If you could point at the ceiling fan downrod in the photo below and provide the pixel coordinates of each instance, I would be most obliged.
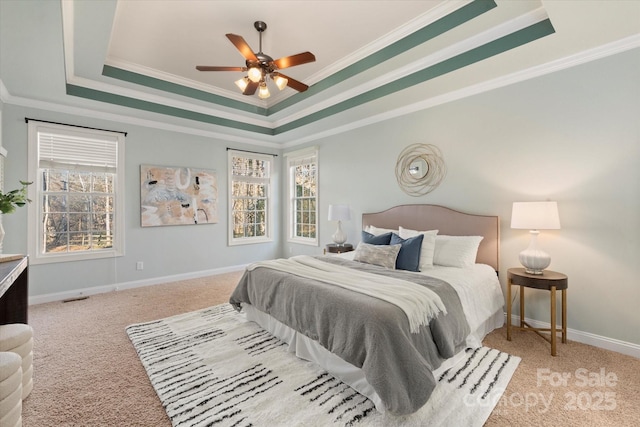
(261, 27)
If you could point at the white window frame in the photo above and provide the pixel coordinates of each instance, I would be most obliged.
(35, 230)
(233, 241)
(293, 158)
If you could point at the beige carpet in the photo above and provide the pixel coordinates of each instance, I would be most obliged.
(86, 371)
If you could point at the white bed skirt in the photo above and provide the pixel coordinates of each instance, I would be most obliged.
(308, 349)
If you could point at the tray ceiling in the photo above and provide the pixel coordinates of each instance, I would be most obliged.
(374, 62)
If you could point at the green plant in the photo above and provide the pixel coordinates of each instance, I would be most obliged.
(11, 200)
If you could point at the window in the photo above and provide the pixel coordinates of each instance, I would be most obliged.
(250, 197)
(303, 196)
(77, 194)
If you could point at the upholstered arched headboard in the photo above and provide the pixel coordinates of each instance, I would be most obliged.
(448, 222)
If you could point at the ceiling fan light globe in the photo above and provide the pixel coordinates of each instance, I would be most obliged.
(242, 83)
(263, 92)
(254, 74)
(281, 82)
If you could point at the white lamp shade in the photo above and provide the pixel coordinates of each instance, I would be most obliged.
(263, 92)
(254, 74)
(242, 83)
(339, 213)
(535, 216)
(281, 82)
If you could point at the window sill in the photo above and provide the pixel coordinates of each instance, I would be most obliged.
(50, 259)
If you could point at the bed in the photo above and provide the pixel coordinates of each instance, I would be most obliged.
(383, 347)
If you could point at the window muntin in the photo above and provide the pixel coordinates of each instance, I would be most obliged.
(78, 193)
(303, 197)
(77, 210)
(250, 199)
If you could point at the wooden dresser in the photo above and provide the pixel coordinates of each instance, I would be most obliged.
(14, 290)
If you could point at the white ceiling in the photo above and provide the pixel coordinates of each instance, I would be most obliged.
(138, 58)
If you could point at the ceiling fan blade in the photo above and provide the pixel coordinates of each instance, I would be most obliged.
(243, 47)
(293, 60)
(212, 68)
(295, 84)
(251, 88)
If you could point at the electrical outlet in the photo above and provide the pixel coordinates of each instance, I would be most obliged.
(139, 265)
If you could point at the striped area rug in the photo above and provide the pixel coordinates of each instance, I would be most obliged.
(212, 367)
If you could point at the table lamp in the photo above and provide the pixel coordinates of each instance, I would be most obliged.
(339, 213)
(535, 216)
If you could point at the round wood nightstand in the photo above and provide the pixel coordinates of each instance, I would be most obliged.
(548, 280)
(333, 248)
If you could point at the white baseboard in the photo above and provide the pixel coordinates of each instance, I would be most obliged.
(612, 344)
(79, 293)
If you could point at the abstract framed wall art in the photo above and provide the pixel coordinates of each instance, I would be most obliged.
(177, 196)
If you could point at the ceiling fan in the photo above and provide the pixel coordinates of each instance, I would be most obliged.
(260, 66)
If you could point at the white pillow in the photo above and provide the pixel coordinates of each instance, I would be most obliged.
(378, 231)
(428, 245)
(456, 251)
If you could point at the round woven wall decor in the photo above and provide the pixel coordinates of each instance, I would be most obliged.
(420, 169)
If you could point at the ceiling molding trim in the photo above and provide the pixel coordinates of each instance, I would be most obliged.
(439, 11)
(613, 48)
(618, 46)
(495, 47)
(162, 100)
(4, 94)
(111, 98)
(68, 18)
(442, 25)
(196, 91)
(449, 52)
(9, 99)
(181, 81)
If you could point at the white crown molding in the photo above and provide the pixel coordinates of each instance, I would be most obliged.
(595, 340)
(121, 118)
(439, 11)
(451, 51)
(4, 93)
(182, 81)
(162, 100)
(68, 18)
(599, 52)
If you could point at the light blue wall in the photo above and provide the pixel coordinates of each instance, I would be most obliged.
(165, 251)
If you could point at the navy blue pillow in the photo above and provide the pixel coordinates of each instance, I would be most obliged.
(409, 255)
(372, 239)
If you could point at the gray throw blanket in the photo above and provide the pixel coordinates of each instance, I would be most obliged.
(367, 332)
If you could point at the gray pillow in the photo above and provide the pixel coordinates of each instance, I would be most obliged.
(382, 255)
